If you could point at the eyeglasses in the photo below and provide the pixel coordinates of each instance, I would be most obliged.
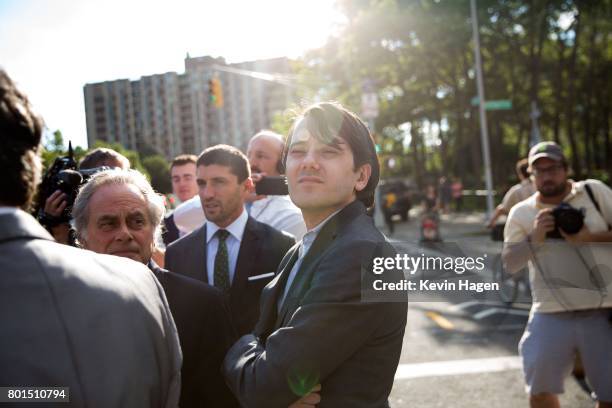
(552, 170)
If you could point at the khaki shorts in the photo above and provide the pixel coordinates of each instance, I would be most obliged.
(549, 345)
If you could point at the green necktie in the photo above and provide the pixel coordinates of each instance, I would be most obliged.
(222, 277)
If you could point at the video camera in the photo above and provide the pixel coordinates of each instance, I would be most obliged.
(63, 175)
(568, 219)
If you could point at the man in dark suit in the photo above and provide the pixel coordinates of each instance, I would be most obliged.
(316, 325)
(118, 213)
(231, 251)
(97, 324)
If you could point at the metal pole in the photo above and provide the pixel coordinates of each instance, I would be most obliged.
(379, 218)
(483, 116)
(535, 129)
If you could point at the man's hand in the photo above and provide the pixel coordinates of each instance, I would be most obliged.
(309, 400)
(544, 222)
(253, 196)
(582, 236)
(56, 203)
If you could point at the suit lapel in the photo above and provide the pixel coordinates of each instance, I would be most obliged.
(271, 294)
(302, 279)
(301, 282)
(196, 258)
(247, 256)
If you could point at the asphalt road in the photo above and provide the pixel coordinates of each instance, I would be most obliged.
(463, 353)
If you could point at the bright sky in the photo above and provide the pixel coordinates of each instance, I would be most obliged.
(53, 48)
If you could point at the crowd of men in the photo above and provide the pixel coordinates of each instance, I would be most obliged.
(255, 301)
(245, 299)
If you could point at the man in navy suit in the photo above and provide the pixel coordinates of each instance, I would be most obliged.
(316, 326)
(231, 251)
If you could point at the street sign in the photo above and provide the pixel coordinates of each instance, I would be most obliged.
(499, 104)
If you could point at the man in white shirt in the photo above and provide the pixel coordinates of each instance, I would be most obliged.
(570, 278)
(516, 193)
(265, 152)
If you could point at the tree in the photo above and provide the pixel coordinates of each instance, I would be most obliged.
(556, 53)
(159, 171)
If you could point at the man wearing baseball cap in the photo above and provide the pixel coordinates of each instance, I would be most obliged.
(562, 232)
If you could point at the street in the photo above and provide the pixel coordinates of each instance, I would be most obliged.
(464, 354)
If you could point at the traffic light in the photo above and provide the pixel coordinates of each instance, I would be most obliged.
(215, 92)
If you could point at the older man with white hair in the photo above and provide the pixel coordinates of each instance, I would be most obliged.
(118, 213)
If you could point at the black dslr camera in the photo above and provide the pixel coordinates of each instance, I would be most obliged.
(568, 219)
(63, 175)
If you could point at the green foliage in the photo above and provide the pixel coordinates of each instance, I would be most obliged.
(159, 171)
(282, 121)
(420, 56)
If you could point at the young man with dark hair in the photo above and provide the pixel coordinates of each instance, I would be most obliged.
(231, 251)
(72, 318)
(184, 188)
(315, 325)
(183, 173)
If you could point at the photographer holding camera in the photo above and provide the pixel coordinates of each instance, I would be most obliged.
(59, 188)
(548, 231)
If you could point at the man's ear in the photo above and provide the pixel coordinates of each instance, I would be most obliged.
(249, 185)
(364, 172)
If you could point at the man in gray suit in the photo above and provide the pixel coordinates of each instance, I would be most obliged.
(99, 325)
(315, 325)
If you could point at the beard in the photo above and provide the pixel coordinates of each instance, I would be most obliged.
(551, 189)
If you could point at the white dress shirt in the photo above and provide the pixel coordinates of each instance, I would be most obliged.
(280, 213)
(189, 216)
(236, 231)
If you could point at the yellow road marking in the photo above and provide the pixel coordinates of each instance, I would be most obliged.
(440, 320)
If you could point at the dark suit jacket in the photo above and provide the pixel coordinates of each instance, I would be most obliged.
(205, 332)
(98, 324)
(170, 232)
(325, 332)
(261, 250)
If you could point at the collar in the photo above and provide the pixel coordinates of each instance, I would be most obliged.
(8, 210)
(236, 228)
(311, 235)
(320, 225)
(16, 223)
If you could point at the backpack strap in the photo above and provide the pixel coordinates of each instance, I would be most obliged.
(595, 203)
